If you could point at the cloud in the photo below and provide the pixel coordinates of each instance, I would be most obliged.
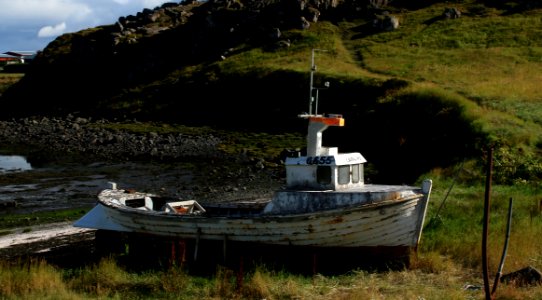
(33, 11)
(141, 3)
(49, 31)
(20, 20)
(152, 3)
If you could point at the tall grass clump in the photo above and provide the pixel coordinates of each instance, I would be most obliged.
(33, 279)
(263, 283)
(108, 279)
(455, 220)
(8, 79)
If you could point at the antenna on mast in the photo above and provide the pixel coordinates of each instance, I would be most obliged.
(312, 97)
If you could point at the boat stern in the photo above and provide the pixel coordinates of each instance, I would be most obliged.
(97, 218)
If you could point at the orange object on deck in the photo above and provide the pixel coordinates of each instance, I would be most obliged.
(335, 120)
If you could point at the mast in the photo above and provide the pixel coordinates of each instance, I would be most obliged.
(317, 123)
(311, 85)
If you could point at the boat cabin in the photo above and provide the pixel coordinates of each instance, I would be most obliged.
(324, 168)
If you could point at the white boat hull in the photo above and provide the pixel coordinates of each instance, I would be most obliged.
(389, 221)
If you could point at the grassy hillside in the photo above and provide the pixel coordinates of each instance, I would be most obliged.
(481, 71)
(426, 96)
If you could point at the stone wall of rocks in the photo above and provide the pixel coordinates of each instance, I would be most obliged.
(83, 136)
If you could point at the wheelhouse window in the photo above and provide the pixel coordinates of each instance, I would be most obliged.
(344, 174)
(323, 174)
(356, 173)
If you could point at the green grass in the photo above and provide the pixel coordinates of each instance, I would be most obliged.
(253, 144)
(493, 60)
(332, 57)
(456, 231)
(159, 128)
(8, 79)
(261, 145)
(487, 61)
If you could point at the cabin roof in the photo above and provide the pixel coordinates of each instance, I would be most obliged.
(2, 55)
(339, 159)
(20, 53)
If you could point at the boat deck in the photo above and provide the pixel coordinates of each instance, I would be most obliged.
(366, 188)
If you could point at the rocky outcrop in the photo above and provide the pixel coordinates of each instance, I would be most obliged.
(386, 22)
(265, 14)
(149, 22)
(451, 13)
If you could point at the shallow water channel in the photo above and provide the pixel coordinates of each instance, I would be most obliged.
(13, 163)
(26, 187)
(44, 181)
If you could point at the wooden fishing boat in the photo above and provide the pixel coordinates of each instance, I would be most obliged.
(325, 204)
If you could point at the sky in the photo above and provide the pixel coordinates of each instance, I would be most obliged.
(30, 25)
